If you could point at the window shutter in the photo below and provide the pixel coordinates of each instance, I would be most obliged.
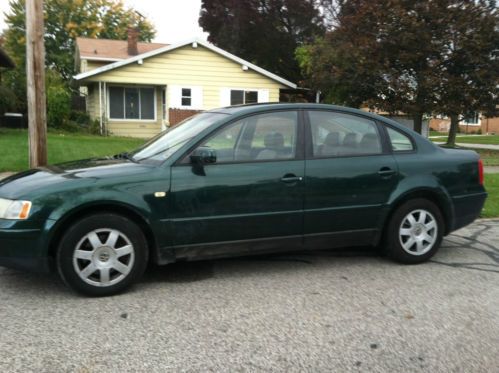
(225, 97)
(175, 95)
(197, 98)
(263, 95)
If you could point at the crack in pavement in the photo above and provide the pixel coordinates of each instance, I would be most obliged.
(476, 242)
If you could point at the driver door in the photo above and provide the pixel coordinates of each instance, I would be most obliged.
(251, 198)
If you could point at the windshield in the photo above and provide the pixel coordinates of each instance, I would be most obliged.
(163, 145)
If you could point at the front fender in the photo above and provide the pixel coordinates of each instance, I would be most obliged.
(89, 201)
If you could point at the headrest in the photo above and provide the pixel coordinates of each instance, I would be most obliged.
(274, 140)
(332, 139)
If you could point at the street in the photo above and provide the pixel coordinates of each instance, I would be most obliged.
(348, 310)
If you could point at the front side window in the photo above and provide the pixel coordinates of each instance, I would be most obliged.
(399, 141)
(262, 137)
(161, 147)
(338, 134)
(240, 97)
(131, 103)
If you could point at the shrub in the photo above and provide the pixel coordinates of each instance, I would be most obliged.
(8, 100)
(80, 117)
(94, 127)
(58, 106)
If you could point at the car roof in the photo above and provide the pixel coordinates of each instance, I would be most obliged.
(255, 108)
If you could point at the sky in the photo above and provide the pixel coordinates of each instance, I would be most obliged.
(174, 20)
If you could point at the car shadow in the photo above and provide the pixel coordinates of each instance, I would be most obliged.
(194, 271)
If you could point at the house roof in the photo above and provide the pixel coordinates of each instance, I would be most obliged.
(168, 48)
(5, 60)
(110, 50)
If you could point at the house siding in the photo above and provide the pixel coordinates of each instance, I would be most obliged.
(92, 65)
(192, 67)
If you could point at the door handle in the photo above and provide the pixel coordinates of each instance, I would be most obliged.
(386, 172)
(291, 178)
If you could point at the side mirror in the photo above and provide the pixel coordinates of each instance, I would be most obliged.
(203, 155)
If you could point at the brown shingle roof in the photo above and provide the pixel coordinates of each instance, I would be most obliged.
(112, 49)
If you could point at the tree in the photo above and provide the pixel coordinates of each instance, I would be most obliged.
(64, 21)
(469, 68)
(392, 55)
(265, 32)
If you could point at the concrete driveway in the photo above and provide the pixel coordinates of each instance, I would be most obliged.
(348, 310)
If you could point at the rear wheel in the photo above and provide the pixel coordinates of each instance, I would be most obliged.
(102, 254)
(414, 232)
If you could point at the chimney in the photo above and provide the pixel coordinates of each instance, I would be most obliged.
(133, 37)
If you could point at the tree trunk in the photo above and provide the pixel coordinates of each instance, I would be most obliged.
(454, 125)
(418, 122)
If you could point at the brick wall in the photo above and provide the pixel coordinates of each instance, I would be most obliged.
(178, 115)
(490, 125)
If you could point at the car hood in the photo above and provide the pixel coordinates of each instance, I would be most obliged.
(65, 175)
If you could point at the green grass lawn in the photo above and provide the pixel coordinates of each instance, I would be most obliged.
(491, 208)
(489, 140)
(436, 133)
(489, 157)
(62, 147)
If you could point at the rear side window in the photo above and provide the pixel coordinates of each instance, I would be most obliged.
(338, 134)
(399, 141)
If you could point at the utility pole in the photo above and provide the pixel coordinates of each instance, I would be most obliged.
(35, 74)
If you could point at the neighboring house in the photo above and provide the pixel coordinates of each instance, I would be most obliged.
(475, 123)
(402, 118)
(137, 89)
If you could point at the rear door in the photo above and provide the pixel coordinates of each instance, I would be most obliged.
(251, 198)
(350, 175)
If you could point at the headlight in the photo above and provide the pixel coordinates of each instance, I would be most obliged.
(14, 210)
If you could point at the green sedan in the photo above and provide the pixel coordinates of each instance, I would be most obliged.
(239, 181)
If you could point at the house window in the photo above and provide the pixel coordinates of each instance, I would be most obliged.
(132, 103)
(186, 97)
(239, 97)
(472, 119)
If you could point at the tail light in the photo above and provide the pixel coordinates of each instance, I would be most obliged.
(480, 171)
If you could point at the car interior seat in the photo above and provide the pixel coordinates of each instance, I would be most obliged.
(274, 146)
(331, 144)
(370, 143)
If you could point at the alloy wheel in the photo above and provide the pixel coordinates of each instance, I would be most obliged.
(103, 257)
(418, 232)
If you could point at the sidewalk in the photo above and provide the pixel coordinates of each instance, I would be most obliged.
(3, 175)
(474, 146)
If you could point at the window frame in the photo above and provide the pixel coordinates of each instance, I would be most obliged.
(139, 87)
(309, 153)
(184, 159)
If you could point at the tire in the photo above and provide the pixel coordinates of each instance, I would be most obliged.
(102, 254)
(414, 232)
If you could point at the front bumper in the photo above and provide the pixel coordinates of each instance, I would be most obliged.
(21, 247)
(467, 209)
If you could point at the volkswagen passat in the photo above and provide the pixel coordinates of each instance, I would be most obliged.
(239, 181)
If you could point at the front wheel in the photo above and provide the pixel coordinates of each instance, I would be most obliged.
(414, 232)
(102, 254)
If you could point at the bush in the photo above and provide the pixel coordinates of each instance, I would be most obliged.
(94, 127)
(8, 100)
(58, 106)
(80, 117)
